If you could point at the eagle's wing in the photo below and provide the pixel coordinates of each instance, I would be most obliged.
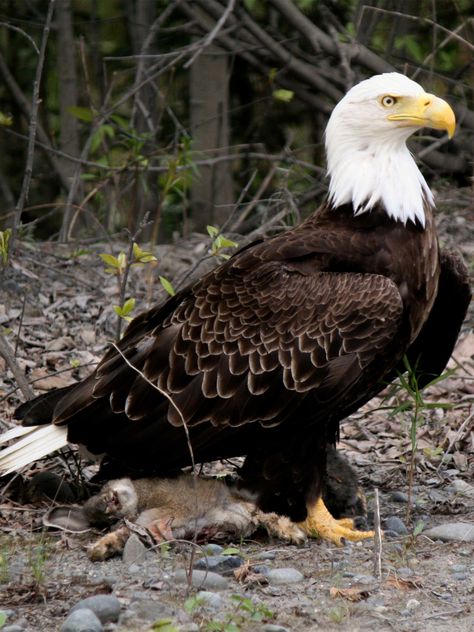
(431, 350)
(247, 345)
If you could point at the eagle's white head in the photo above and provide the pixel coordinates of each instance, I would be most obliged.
(368, 160)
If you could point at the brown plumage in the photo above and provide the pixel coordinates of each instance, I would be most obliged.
(266, 354)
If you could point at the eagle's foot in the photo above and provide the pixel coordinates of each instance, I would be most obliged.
(320, 524)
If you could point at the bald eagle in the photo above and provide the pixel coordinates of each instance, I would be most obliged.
(265, 355)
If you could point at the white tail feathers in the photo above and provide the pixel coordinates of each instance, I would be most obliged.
(36, 442)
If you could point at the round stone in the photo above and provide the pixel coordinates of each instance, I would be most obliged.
(82, 620)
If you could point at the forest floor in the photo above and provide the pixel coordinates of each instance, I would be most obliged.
(64, 300)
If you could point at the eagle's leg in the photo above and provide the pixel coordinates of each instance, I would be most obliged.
(320, 524)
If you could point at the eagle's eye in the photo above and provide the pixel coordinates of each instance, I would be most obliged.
(388, 101)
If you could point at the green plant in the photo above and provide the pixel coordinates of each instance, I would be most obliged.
(37, 556)
(4, 245)
(120, 266)
(219, 243)
(3, 618)
(416, 404)
(4, 570)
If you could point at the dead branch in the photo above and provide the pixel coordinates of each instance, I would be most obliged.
(25, 187)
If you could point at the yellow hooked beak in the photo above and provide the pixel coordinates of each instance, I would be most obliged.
(425, 110)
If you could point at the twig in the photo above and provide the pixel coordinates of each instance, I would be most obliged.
(25, 187)
(18, 374)
(7, 25)
(212, 35)
(188, 440)
(453, 441)
(377, 537)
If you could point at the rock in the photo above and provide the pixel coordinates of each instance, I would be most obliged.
(262, 569)
(364, 579)
(224, 564)
(13, 628)
(452, 532)
(264, 555)
(202, 579)
(463, 488)
(394, 524)
(413, 604)
(105, 607)
(460, 577)
(82, 620)
(404, 572)
(211, 599)
(146, 609)
(212, 549)
(134, 551)
(398, 497)
(458, 568)
(284, 576)
(272, 627)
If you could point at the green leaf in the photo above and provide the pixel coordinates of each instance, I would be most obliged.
(418, 528)
(110, 260)
(167, 285)
(81, 113)
(142, 256)
(230, 550)
(164, 625)
(129, 306)
(212, 231)
(283, 95)
(226, 243)
(5, 119)
(3, 618)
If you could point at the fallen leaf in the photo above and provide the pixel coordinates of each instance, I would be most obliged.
(402, 583)
(245, 575)
(354, 593)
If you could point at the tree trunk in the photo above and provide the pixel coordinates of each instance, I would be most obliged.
(66, 64)
(145, 115)
(212, 189)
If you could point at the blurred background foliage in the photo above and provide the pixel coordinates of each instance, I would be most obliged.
(151, 108)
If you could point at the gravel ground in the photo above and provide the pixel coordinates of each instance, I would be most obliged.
(425, 583)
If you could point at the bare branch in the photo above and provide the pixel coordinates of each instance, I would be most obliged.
(25, 187)
(212, 35)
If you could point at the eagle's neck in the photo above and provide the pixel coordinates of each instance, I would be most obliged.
(376, 170)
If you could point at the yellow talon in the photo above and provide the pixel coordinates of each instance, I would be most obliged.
(320, 524)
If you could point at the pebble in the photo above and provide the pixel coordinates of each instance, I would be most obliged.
(364, 579)
(458, 568)
(105, 607)
(394, 524)
(212, 549)
(463, 488)
(398, 497)
(272, 627)
(202, 579)
(460, 577)
(134, 551)
(13, 628)
(452, 531)
(404, 571)
(211, 599)
(146, 609)
(264, 555)
(413, 604)
(224, 564)
(262, 569)
(284, 576)
(82, 620)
